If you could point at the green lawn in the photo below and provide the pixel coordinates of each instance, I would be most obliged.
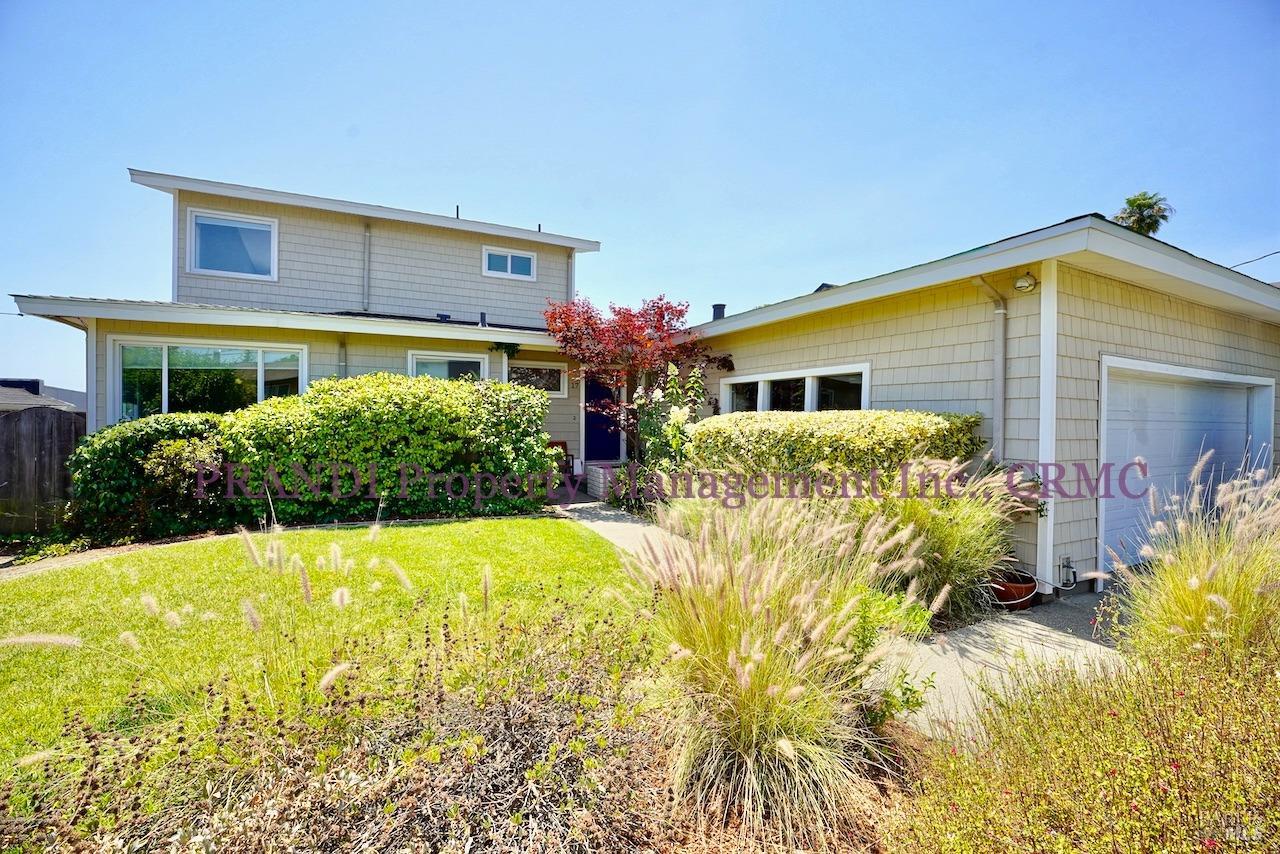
(200, 631)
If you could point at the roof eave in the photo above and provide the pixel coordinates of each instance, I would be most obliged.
(174, 183)
(62, 308)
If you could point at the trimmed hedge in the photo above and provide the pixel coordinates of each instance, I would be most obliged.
(124, 484)
(390, 420)
(806, 442)
(138, 479)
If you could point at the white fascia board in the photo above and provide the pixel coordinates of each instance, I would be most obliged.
(1048, 243)
(1117, 242)
(62, 307)
(174, 183)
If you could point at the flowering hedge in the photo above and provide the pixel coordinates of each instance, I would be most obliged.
(804, 442)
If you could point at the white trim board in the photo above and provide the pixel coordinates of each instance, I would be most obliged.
(1047, 444)
(1262, 413)
(810, 376)
(58, 308)
(114, 341)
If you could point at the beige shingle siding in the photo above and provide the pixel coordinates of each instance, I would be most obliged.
(930, 349)
(364, 353)
(1099, 315)
(415, 270)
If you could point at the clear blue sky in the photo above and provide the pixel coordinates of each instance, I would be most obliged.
(738, 152)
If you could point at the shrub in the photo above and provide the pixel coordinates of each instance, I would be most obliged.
(776, 633)
(128, 479)
(809, 442)
(390, 421)
(1210, 572)
(964, 540)
(1176, 755)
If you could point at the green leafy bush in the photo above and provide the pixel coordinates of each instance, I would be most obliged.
(125, 479)
(1176, 755)
(392, 422)
(295, 456)
(777, 633)
(809, 442)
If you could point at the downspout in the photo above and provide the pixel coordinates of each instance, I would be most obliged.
(999, 336)
(368, 250)
(572, 285)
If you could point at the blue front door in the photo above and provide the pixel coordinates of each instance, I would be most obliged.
(602, 434)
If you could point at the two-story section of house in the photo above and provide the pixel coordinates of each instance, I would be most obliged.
(272, 289)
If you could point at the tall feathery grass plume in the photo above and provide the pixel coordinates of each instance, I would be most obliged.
(780, 638)
(1208, 573)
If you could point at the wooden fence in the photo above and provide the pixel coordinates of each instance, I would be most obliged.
(34, 481)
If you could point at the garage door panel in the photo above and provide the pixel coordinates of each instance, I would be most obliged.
(1169, 423)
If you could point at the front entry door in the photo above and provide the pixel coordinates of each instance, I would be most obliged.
(602, 440)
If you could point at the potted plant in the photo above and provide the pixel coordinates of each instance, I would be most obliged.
(1014, 590)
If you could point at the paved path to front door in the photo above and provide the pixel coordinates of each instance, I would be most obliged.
(959, 661)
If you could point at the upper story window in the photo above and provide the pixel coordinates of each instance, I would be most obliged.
(231, 245)
(509, 264)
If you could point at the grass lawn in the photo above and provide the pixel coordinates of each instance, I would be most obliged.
(196, 629)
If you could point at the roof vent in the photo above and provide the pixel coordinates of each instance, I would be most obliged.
(717, 311)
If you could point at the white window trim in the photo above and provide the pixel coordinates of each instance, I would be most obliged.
(115, 342)
(810, 377)
(482, 358)
(484, 264)
(507, 365)
(195, 270)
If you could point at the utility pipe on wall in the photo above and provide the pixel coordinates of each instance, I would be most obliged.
(999, 335)
(368, 250)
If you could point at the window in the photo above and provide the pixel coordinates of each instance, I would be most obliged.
(787, 395)
(745, 397)
(545, 376)
(226, 245)
(805, 390)
(448, 366)
(509, 264)
(201, 376)
(840, 391)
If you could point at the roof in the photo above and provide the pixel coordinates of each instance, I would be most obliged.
(20, 398)
(74, 309)
(173, 183)
(1090, 241)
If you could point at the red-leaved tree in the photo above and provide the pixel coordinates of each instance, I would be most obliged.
(628, 348)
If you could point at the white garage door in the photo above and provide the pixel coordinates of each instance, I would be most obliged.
(1168, 422)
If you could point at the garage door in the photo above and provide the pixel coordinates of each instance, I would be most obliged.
(1168, 422)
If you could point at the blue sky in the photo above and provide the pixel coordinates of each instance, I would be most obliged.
(738, 153)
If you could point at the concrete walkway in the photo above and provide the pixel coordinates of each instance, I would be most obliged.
(626, 531)
(958, 661)
(961, 662)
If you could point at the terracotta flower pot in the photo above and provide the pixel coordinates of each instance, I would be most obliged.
(1015, 591)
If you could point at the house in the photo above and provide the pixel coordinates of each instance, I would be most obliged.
(1083, 344)
(272, 289)
(18, 394)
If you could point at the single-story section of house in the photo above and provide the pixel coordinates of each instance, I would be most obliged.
(1081, 344)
